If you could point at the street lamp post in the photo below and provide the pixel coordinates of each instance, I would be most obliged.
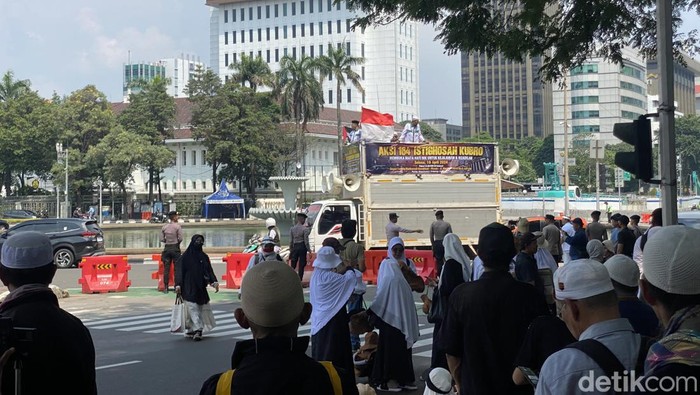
(61, 153)
(99, 207)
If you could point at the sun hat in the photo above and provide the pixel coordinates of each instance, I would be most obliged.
(26, 250)
(581, 279)
(670, 260)
(326, 258)
(271, 294)
(623, 270)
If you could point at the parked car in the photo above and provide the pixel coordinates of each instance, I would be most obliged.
(19, 214)
(689, 218)
(72, 238)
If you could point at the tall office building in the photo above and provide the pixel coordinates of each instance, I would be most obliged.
(178, 71)
(683, 82)
(598, 95)
(503, 98)
(272, 29)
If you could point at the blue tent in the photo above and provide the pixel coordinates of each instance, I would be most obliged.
(223, 204)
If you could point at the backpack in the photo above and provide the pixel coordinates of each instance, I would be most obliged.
(344, 252)
(257, 258)
(223, 385)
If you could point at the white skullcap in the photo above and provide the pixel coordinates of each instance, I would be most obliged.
(440, 380)
(623, 270)
(271, 294)
(581, 279)
(26, 250)
(671, 260)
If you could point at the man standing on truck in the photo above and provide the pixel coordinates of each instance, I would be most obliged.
(355, 134)
(299, 244)
(393, 229)
(411, 133)
(438, 229)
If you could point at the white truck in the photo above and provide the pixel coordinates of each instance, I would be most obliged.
(412, 180)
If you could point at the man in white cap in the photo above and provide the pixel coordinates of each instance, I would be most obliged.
(411, 132)
(60, 358)
(607, 343)
(671, 285)
(567, 230)
(275, 360)
(266, 253)
(624, 274)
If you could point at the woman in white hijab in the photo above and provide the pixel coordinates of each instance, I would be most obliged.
(332, 283)
(393, 312)
(457, 270)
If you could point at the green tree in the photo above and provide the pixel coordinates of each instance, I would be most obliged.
(10, 88)
(202, 89)
(545, 154)
(254, 71)
(28, 131)
(338, 64)
(301, 95)
(688, 143)
(563, 33)
(151, 113)
(85, 118)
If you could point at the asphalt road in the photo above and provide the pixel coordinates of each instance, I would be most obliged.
(135, 352)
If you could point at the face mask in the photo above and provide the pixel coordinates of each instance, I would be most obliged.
(199, 242)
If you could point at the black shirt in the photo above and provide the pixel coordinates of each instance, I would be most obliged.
(485, 327)
(545, 336)
(627, 239)
(278, 365)
(526, 271)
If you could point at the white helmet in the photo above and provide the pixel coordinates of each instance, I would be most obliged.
(270, 222)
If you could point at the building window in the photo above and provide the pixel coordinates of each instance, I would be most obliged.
(320, 28)
(233, 36)
(259, 12)
(294, 8)
(225, 16)
(585, 129)
(347, 26)
(235, 57)
(242, 14)
(400, 50)
(284, 31)
(194, 158)
(294, 53)
(325, 154)
(184, 158)
(311, 6)
(584, 69)
(634, 102)
(401, 96)
(335, 158)
(362, 50)
(330, 96)
(400, 73)
(204, 185)
(277, 32)
(347, 48)
(337, 5)
(330, 27)
(259, 35)
(226, 59)
(338, 26)
(242, 36)
(260, 54)
(301, 7)
(311, 47)
(313, 154)
(267, 14)
(349, 95)
(363, 72)
(267, 56)
(225, 38)
(630, 115)
(267, 34)
(320, 5)
(411, 53)
(250, 35)
(330, 5)
(363, 97)
(411, 97)
(626, 85)
(584, 99)
(250, 13)
(184, 184)
(277, 55)
(311, 27)
(320, 50)
(277, 10)
(284, 9)
(303, 30)
(284, 51)
(303, 51)
(583, 114)
(204, 156)
(411, 75)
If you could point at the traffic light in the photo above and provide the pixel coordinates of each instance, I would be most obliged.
(638, 134)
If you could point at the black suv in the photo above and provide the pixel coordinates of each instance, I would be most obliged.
(72, 238)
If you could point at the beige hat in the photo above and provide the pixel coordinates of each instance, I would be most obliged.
(623, 270)
(581, 279)
(271, 294)
(609, 245)
(670, 260)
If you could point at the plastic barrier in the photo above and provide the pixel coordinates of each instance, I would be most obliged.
(646, 218)
(423, 259)
(159, 274)
(106, 273)
(236, 263)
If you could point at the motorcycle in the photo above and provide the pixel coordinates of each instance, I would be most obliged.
(254, 245)
(158, 218)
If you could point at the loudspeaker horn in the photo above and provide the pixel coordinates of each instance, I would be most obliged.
(324, 185)
(510, 167)
(352, 182)
(334, 183)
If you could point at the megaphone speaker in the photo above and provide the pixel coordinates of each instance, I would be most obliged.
(351, 183)
(510, 167)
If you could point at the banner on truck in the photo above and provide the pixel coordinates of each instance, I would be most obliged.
(446, 158)
(351, 159)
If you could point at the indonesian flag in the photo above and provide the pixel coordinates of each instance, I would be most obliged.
(377, 127)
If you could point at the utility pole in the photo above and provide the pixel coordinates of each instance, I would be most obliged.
(667, 137)
(566, 144)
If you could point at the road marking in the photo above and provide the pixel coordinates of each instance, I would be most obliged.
(117, 365)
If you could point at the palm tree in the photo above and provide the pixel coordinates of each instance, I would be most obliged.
(254, 71)
(11, 88)
(338, 64)
(301, 94)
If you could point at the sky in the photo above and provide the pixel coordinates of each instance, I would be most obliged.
(62, 46)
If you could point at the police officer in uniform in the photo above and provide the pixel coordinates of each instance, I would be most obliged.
(299, 244)
(171, 236)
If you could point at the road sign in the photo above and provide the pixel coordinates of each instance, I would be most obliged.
(597, 150)
(626, 176)
(619, 178)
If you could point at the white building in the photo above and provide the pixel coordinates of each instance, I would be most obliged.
(177, 70)
(271, 29)
(653, 105)
(599, 94)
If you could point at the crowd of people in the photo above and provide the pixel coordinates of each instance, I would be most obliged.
(563, 311)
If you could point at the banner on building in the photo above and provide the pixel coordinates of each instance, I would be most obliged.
(445, 158)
